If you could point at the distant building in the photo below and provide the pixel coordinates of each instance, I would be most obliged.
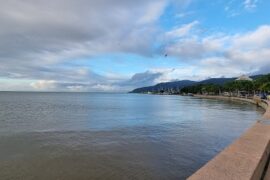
(244, 78)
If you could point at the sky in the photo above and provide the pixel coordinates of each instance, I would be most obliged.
(118, 45)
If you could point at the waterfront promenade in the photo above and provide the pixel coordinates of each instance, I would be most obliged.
(247, 157)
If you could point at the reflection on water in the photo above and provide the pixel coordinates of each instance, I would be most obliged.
(114, 136)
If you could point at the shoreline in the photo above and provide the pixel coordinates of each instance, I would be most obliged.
(259, 102)
(248, 156)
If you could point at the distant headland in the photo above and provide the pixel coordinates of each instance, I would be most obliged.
(243, 86)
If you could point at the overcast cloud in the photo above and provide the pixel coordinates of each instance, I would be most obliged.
(40, 39)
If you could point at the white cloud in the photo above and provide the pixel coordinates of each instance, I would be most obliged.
(153, 12)
(250, 4)
(38, 33)
(253, 40)
(42, 40)
(186, 49)
(221, 54)
(184, 14)
(182, 31)
(233, 8)
(194, 47)
(211, 56)
(105, 88)
(183, 73)
(44, 84)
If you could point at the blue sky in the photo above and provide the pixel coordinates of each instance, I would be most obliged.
(115, 45)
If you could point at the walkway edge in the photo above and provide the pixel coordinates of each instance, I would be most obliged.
(247, 157)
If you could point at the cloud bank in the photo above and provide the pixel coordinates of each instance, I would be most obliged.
(43, 41)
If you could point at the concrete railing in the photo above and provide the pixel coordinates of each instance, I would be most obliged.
(247, 157)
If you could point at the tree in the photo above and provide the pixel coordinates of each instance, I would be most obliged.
(265, 87)
(259, 83)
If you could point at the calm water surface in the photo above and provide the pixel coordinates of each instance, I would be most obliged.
(68, 136)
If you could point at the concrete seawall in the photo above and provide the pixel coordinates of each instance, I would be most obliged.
(247, 157)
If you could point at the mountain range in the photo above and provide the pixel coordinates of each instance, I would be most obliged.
(184, 83)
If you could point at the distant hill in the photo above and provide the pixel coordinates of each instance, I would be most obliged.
(163, 86)
(184, 83)
(218, 81)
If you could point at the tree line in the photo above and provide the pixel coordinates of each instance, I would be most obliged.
(259, 85)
